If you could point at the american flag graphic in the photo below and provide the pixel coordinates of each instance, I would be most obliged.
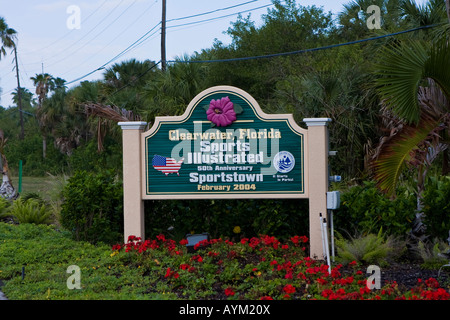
(166, 165)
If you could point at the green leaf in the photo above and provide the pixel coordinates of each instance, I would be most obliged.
(396, 152)
(238, 109)
(401, 69)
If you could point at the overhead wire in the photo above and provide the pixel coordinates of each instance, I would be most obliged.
(137, 78)
(66, 34)
(97, 35)
(130, 47)
(115, 38)
(217, 18)
(66, 50)
(212, 11)
(303, 50)
(149, 34)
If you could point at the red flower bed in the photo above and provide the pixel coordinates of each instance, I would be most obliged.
(260, 268)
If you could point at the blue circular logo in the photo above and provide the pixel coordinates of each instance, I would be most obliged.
(284, 161)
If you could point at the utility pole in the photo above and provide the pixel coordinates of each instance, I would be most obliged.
(19, 94)
(163, 36)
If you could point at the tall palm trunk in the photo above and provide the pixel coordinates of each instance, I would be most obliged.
(7, 190)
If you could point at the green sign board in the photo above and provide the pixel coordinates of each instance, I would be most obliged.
(224, 146)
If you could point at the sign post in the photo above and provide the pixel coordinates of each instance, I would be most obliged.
(133, 205)
(318, 175)
(225, 147)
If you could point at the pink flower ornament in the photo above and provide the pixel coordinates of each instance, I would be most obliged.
(221, 112)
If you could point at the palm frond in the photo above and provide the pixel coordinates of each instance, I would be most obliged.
(402, 70)
(110, 112)
(400, 73)
(405, 147)
(437, 67)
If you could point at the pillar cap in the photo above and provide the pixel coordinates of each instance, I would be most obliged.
(132, 125)
(311, 122)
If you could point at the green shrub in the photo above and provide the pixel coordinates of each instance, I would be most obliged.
(430, 252)
(92, 207)
(4, 204)
(227, 218)
(30, 211)
(368, 249)
(436, 206)
(364, 209)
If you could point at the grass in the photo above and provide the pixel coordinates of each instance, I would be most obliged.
(161, 269)
(47, 187)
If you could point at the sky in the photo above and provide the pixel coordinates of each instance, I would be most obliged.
(71, 39)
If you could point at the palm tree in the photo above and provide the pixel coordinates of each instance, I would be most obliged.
(43, 82)
(338, 94)
(7, 36)
(414, 86)
(132, 73)
(171, 91)
(27, 97)
(7, 190)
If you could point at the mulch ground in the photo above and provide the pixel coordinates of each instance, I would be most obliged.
(407, 275)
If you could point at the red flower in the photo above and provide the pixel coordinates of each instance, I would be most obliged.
(170, 273)
(266, 298)
(326, 293)
(183, 242)
(184, 266)
(134, 238)
(289, 289)
(116, 247)
(161, 237)
(229, 292)
(197, 258)
(432, 283)
(297, 239)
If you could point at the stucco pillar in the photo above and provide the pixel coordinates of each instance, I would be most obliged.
(133, 205)
(318, 180)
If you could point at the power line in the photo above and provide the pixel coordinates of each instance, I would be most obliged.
(221, 17)
(138, 77)
(213, 11)
(303, 50)
(64, 51)
(147, 35)
(65, 35)
(130, 47)
(115, 38)
(98, 34)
